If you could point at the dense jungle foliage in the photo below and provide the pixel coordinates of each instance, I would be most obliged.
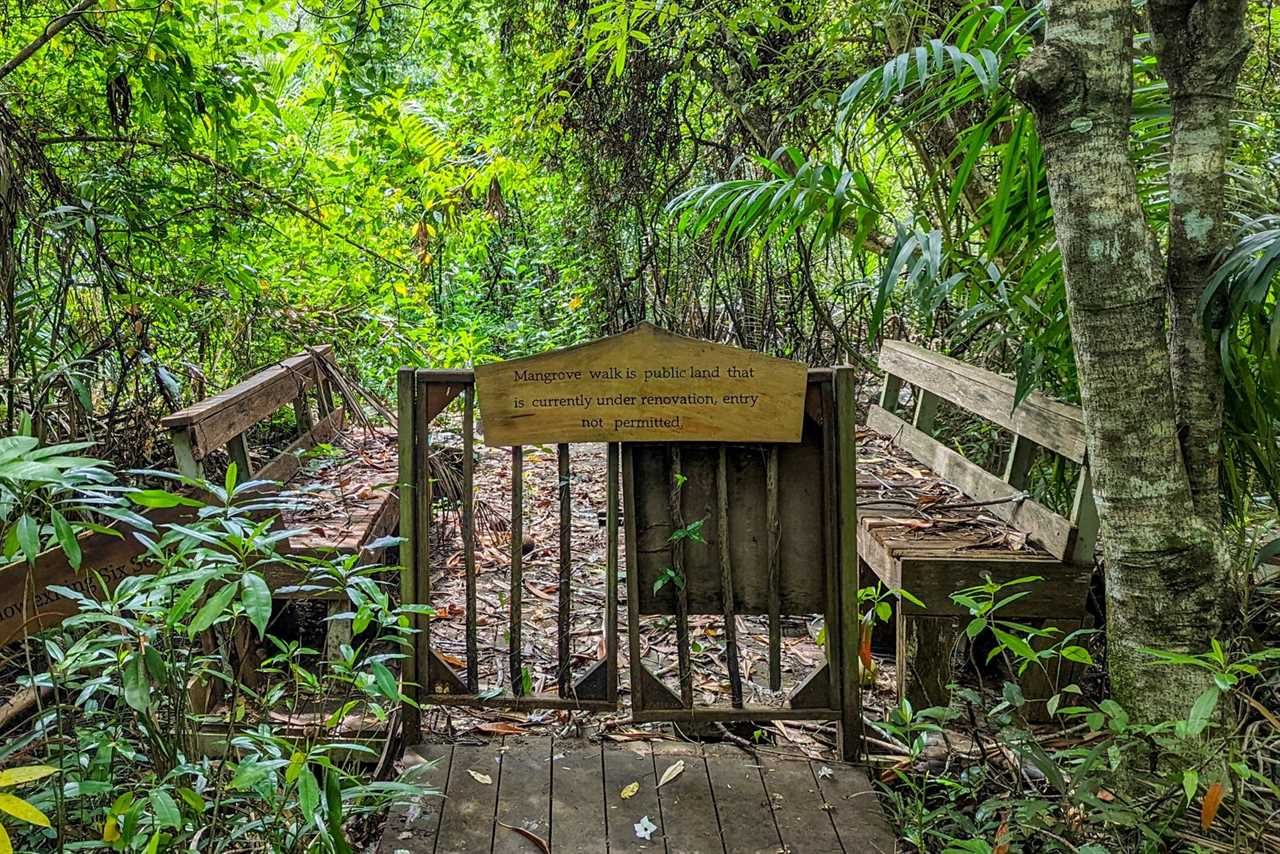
(192, 190)
(200, 187)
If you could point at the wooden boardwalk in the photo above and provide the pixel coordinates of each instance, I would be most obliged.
(566, 797)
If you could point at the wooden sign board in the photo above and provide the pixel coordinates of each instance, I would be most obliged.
(26, 602)
(644, 385)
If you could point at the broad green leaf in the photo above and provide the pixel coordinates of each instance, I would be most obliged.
(28, 533)
(384, 680)
(166, 809)
(25, 774)
(136, 684)
(296, 763)
(212, 609)
(1190, 784)
(309, 794)
(1202, 711)
(256, 598)
(66, 538)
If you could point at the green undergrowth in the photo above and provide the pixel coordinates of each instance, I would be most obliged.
(173, 714)
(994, 771)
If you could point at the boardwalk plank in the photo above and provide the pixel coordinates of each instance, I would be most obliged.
(854, 808)
(577, 798)
(524, 794)
(466, 827)
(688, 809)
(798, 807)
(631, 763)
(412, 827)
(742, 804)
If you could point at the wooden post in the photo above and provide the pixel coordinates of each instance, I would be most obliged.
(1084, 515)
(469, 534)
(926, 411)
(889, 393)
(634, 656)
(726, 582)
(611, 572)
(422, 525)
(1016, 469)
(238, 450)
(514, 652)
(847, 504)
(563, 614)
(184, 454)
(831, 545)
(302, 413)
(408, 595)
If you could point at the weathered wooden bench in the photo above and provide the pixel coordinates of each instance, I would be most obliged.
(933, 522)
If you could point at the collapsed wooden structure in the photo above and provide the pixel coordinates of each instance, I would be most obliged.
(344, 515)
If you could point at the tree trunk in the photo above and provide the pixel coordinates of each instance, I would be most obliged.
(1200, 47)
(9, 189)
(1164, 563)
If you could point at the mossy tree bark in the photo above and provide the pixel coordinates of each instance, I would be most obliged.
(1150, 387)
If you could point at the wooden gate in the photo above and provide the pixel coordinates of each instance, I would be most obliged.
(777, 537)
(423, 395)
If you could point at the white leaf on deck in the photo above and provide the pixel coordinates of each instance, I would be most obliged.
(673, 771)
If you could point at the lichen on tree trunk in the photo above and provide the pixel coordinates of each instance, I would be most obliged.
(1151, 415)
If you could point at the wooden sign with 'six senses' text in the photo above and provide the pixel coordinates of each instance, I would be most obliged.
(645, 385)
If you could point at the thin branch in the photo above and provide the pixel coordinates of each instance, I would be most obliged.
(55, 26)
(270, 192)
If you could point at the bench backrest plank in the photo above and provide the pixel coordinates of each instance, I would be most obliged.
(1053, 532)
(1038, 422)
(1051, 424)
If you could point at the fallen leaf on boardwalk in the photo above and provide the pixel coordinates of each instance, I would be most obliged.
(673, 771)
(480, 778)
(645, 828)
(499, 728)
(529, 835)
(629, 790)
(1209, 806)
(824, 772)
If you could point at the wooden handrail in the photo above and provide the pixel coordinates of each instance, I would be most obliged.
(217, 419)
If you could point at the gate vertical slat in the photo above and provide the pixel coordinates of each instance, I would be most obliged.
(679, 586)
(611, 571)
(726, 581)
(469, 534)
(634, 659)
(830, 544)
(516, 654)
(846, 462)
(773, 524)
(422, 529)
(405, 398)
(564, 614)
